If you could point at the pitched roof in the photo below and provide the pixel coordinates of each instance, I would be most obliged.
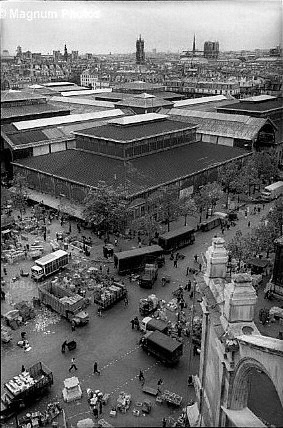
(135, 132)
(225, 125)
(264, 106)
(13, 95)
(142, 173)
(31, 110)
(145, 101)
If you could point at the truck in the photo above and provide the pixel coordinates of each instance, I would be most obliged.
(24, 388)
(149, 275)
(273, 191)
(49, 264)
(134, 260)
(64, 302)
(148, 305)
(153, 324)
(166, 349)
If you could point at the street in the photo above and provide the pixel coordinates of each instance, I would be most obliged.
(108, 339)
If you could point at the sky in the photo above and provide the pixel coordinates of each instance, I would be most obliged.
(103, 27)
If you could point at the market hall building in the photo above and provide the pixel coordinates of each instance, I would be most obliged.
(137, 153)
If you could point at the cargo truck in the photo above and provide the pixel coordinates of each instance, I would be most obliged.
(49, 264)
(110, 295)
(273, 191)
(153, 324)
(166, 349)
(64, 302)
(23, 389)
(134, 260)
(149, 275)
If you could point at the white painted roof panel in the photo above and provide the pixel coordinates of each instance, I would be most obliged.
(83, 101)
(72, 118)
(50, 84)
(259, 98)
(201, 100)
(85, 92)
(138, 118)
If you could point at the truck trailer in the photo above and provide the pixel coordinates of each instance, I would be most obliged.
(49, 264)
(149, 275)
(24, 388)
(166, 349)
(64, 302)
(273, 191)
(153, 324)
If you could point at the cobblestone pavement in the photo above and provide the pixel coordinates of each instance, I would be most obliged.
(108, 339)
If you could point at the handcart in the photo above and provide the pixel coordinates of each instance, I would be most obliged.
(165, 279)
(71, 345)
(146, 406)
(171, 398)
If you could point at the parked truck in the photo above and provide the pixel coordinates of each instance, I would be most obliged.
(109, 296)
(166, 349)
(153, 324)
(64, 302)
(149, 275)
(273, 191)
(24, 388)
(49, 264)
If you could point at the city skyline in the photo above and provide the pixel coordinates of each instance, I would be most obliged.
(115, 26)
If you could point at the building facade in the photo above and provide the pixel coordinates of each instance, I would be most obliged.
(140, 55)
(211, 50)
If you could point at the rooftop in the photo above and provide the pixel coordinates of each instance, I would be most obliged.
(136, 131)
(85, 91)
(201, 100)
(261, 107)
(138, 86)
(40, 123)
(12, 95)
(225, 125)
(145, 101)
(31, 110)
(151, 170)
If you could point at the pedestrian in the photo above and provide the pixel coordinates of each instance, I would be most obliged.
(195, 350)
(3, 295)
(73, 365)
(126, 301)
(189, 285)
(100, 268)
(108, 270)
(159, 383)
(73, 325)
(164, 422)
(70, 228)
(258, 209)
(95, 412)
(175, 263)
(249, 223)
(99, 311)
(44, 236)
(95, 369)
(63, 348)
(191, 294)
(137, 323)
(23, 335)
(141, 376)
(263, 206)
(200, 266)
(190, 380)
(182, 304)
(196, 258)
(5, 270)
(78, 227)
(260, 315)
(140, 244)
(179, 330)
(100, 406)
(133, 323)
(23, 369)
(115, 242)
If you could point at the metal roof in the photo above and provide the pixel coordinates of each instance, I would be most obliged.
(38, 123)
(153, 170)
(201, 100)
(50, 84)
(12, 95)
(138, 118)
(85, 92)
(225, 125)
(30, 110)
(83, 101)
(259, 98)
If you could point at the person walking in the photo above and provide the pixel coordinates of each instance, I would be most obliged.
(188, 270)
(100, 406)
(73, 365)
(249, 224)
(175, 263)
(164, 422)
(189, 286)
(196, 258)
(133, 323)
(5, 270)
(159, 383)
(141, 376)
(95, 369)
(95, 412)
(73, 325)
(63, 347)
(126, 301)
(23, 369)
(44, 236)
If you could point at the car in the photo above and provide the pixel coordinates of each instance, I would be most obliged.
(258, 199)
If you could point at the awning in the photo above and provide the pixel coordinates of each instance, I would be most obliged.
(243, 418)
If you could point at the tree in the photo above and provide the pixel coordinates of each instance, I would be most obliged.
(209, 195)
(266, 164)
(147, 225)
(239, 247)
(187, 207)
(166, 204)
(229, 179)
(106, 206)
(19, 193)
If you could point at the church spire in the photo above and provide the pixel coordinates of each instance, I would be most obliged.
(65, 53)
(194, 44)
